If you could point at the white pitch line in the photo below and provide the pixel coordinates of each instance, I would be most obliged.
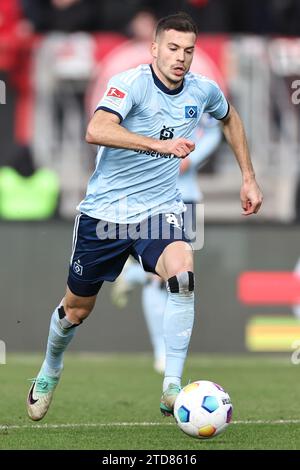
(261, 421)
(7, 427)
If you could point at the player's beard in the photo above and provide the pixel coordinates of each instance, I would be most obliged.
(170, 77)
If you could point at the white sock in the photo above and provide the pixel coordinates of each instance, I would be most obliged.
(61, 333)
(154, 300)
(178, 325)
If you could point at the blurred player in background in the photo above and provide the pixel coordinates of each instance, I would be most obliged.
(207, 138)
(143, 126)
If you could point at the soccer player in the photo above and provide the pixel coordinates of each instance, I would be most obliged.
(207, 138)
(143, 126)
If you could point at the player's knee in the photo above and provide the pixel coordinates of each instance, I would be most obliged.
(181, 283)
(65, 322)
(76, 314)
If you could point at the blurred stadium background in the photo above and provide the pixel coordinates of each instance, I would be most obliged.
(55, 56)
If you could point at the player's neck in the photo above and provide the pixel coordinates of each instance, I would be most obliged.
(170, 85)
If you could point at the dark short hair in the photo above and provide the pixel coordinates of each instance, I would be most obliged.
(179, 21)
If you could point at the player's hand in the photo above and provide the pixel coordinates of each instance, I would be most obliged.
(181, 147)
(251, 197)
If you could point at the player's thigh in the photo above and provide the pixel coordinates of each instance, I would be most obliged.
(177, 257)
(96, 258)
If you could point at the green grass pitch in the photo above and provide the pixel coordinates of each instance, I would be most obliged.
(112, 402)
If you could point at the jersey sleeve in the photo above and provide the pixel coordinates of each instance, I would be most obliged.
(118, 98)
(217, 105)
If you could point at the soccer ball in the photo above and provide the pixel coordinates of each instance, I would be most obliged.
(203, 409)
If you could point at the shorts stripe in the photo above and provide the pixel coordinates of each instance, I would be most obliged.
(141, 261)
(75, 234)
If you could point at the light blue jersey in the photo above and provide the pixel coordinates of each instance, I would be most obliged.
(128, 186)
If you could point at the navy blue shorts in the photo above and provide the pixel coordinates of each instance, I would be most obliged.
(100, 249)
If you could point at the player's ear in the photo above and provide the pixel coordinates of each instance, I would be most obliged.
(154, 49)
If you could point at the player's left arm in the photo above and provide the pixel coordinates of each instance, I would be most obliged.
(251, 195)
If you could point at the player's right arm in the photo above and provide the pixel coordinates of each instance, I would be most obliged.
(105, 129)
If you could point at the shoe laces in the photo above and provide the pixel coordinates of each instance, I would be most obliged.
(44, 385)
(172, 389)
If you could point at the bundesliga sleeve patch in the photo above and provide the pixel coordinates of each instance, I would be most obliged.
(115, 96)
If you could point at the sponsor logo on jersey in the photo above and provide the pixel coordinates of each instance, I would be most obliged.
(166, 133)
(191, 112)
(155, 154)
